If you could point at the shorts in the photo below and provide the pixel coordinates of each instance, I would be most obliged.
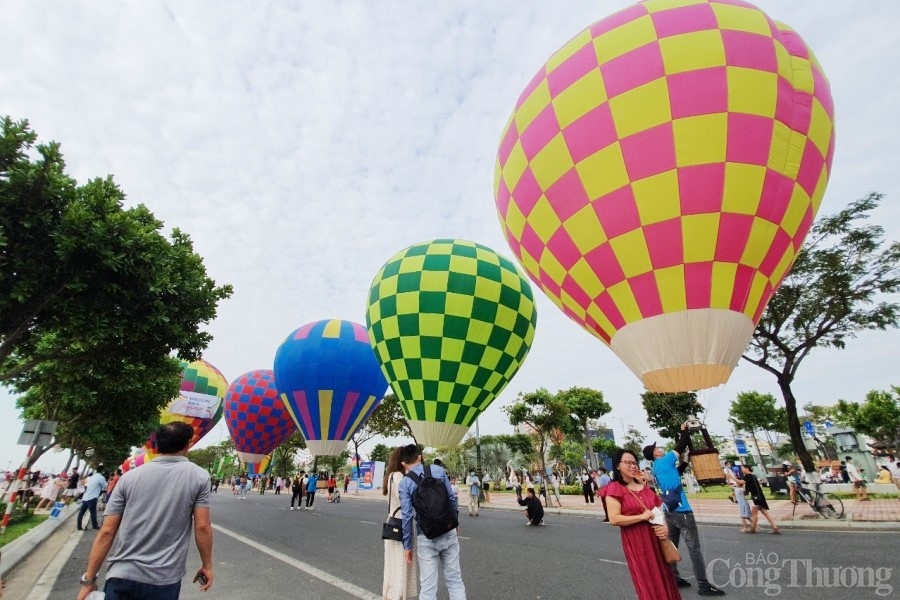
(331, 490)
(487, 486)
(859, 484)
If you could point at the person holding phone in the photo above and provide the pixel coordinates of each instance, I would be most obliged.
(152, 530)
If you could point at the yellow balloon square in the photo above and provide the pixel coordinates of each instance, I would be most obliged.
(739, 18)
(624, 300)
(657, 197)
(698, 233)
(631, 251)
(533, 105)
(585, 230)
(692, 51)
(515, 166)
(543, 219)
(603, 171)
(700, 140)
(820, 127)
(552, 162)
(743, 187)
(407, 303)
(584, 275)
(459, 305)
(553, 268)
(579, 98)
(723, 276)
(751, 91)
(670, 282)
(641, 108)
(624, 38)
(762, 233)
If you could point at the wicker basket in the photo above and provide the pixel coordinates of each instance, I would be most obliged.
(706, 467)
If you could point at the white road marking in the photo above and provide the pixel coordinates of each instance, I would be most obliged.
(328, 578)
(615, 562)
(44, 585)
(369, 522)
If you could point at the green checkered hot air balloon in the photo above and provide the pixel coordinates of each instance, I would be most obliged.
(451, 322)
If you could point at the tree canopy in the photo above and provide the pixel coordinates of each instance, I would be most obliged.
(585, 405)
(836, 289)
(877, 417)
(667, 411)
(91, 292)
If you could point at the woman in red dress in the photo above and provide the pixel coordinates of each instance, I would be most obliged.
(628, 500)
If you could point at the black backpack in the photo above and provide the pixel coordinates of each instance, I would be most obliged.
(432, 504)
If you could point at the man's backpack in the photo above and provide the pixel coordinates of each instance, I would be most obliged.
(432, 504)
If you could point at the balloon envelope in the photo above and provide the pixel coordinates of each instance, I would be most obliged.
(329, 381)
(260, 467)
(199, 402)
(451, 322)
(256, 416)
(658, 176)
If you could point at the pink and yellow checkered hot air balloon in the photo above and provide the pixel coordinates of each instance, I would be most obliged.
(658, 176)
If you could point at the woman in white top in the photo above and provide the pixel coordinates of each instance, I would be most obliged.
(399, 578)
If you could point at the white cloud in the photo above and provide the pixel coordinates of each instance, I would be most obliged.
(303, 145)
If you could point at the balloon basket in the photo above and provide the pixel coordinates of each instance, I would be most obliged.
(706, 467)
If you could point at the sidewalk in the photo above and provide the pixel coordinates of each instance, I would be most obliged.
(877, 515)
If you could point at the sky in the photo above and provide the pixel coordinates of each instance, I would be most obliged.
(303, 144)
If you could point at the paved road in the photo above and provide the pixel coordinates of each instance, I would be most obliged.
(264, 550)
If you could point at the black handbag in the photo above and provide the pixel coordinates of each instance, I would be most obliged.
(392, 528)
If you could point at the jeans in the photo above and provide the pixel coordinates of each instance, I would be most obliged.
(443, 550)
(310, 498)
(683, 523)
(88, 505)
(126, 589)
(295, 495)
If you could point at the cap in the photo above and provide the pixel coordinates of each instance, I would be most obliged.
(648, 451)
(786, 464)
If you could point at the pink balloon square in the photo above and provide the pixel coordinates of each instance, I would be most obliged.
(734, 231)
(633, 69)
(749, 139)
(646, 294)
(618, 19)
(665, 243)
(606, 265)
(700, 92)
(582, 62)
(592, 132)
(617, 212)
(750, 50)
(649, 152)
(698, 284)
(567, 195)
(701, 188)
(810, 168)
(684, 19)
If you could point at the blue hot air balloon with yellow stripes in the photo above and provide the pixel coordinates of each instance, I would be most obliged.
(330, 382)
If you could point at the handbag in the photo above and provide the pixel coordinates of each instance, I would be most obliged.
(392, 528)
(668, 550)
(671, 498)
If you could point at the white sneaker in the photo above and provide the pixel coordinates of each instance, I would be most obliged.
(292, 508)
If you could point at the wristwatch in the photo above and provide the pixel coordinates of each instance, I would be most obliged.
(88, 581)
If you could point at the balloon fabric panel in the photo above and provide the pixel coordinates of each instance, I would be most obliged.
(450, 321)
(329, 378)
(255, 413)
(670, 157)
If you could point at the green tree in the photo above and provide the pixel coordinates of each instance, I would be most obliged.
(585, 405)
(110, 407)
(877, 417)
(89, 290)
(752, 412)
(518, 443)
(389, 420)
(204, 457)
(543, 413)
(634, 442)
(380, 452)
(835, 289)
(604, 447)
(284, 456)
(336, 463)
(667, 411)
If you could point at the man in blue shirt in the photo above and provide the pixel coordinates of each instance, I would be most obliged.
(444, 549)
(680, 521)
(95, 486)
(311, 490)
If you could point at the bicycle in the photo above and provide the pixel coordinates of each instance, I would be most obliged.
(827, 505)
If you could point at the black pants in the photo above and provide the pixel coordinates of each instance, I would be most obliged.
(588, 493)
(295, 495)
(310, 498)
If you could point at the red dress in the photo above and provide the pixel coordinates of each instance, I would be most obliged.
(652, 576)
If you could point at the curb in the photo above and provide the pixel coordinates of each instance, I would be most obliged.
(804, 524)
(817, 524)
(18, 550)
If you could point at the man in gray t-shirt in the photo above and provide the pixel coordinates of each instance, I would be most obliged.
(150, 516)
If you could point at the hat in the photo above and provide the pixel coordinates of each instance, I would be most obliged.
(786, 464)
(648, 451)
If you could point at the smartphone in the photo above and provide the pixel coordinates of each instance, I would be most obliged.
(201, 579)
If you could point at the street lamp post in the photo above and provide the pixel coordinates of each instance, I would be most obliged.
(478, 471)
